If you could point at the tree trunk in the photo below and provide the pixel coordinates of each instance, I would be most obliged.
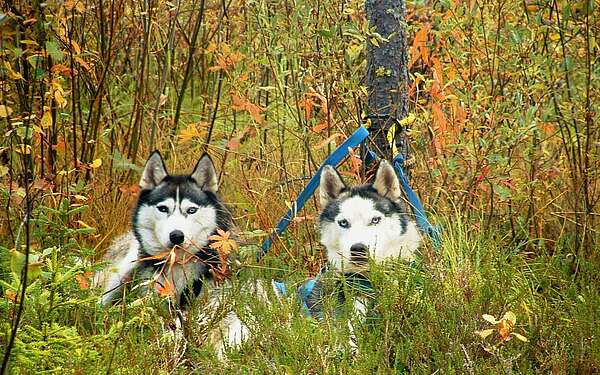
(387, 75)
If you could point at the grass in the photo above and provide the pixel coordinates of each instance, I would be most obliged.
(423, 320)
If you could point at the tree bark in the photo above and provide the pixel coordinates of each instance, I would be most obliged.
(387, 74)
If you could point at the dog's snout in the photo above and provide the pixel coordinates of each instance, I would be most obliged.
(176, 237)
(358, 253)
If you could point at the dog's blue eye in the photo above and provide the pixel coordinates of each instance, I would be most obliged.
(163, 208)
(375, 220)
(343, 223)
(192, 210)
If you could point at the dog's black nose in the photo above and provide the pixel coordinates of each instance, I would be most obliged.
(358, 253)
(176, 237)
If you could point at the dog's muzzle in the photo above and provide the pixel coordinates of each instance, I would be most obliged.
(359, 253)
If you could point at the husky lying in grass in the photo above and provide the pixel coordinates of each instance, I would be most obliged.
(361, 223)
(168, 247)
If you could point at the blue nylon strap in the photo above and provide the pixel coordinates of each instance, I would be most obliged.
(420, 216)
(334, 159)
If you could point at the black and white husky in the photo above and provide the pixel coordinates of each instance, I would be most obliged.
(172, 211)
(366, 221)
(358, 224)
(168, 246)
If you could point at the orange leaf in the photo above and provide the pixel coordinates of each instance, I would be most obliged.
(83, 281)
(239, 103)
(61, 144)
(419, 46)
(129, 189)
(355, 164)
(233, 144)
(12, 296)
(307, 104)
(439, 118)
(438, 73)
(191, 132)
(162, 255)
(255, 111)
(64, 70)
(504, 330)
(320, 127)
(165, 290)
(327, 141)
(547, 127)
(83, 63)
(460, 115)
(222, 242)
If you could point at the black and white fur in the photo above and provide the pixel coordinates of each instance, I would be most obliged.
(366, 221)
(177, 214)
(172, 210)
(360, 223)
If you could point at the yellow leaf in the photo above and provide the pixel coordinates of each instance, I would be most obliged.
(353, 51)
(510, 316)
(83, 224)
(29, 42)
(11, 296)
(485, 333)
(46, 120)
(23, 149)
(190, 132)
(408, 119)
(331, 139)
(222, 242)
(490, 318)
(60, 99)
(520, 337)
(11, 73)
(96, 163)
(5, 111)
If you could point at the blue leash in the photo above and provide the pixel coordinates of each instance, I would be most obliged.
(306, 289)
(334, 159)
(432, 231)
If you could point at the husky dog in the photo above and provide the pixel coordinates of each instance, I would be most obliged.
(366, 221)
(357, 224)
(168, 246)
(173, 213)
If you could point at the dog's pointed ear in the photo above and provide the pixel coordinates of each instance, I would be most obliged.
(387, 183)
(205, 174)
(331, 185)
(154, 171)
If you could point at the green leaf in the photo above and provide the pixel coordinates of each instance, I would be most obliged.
(17, 261)
(54, 51)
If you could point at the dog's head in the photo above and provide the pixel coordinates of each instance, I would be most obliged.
(182, 210)
(367, 221)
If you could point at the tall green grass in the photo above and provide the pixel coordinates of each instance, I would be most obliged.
(423, 319)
